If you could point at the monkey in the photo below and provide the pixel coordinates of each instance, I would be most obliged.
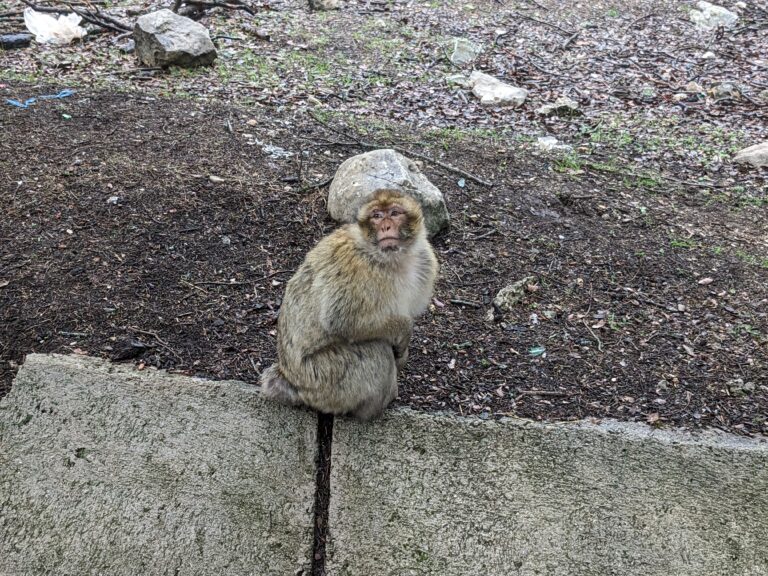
(347, 315)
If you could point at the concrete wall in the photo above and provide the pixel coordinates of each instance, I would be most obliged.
(109, 470)
(437, 495)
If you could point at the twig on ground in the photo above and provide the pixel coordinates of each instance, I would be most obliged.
(225, 37)
(113, 21)
(595, 336)
(204, 4)
(160, 341)
(320, 184)
(464, 303)
(134, 71)
(638, 20)
(372, 146)
(570, 40)
(277, 273)
(632, 174)
(522, 393)
(544, 23)
(538, 5)
(543, 70)
(97, 18)
(481, 236)
(203, 290)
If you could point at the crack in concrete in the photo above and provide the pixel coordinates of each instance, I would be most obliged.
(322, 492)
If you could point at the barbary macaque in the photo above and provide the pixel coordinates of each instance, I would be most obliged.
(347, 315)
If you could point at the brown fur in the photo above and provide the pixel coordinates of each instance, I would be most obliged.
(347, 315)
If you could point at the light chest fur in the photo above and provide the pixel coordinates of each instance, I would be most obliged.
(410, 283)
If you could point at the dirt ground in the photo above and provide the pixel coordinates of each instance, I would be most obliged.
(155, 218)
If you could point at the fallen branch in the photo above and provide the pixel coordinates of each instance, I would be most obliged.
(485, 235)
(638, 20)
(204, 5)
(633, 174)
(404, 151)
(465, 303)
(160, 341)
(107, 19)
(133, 71)
(543, 23)
(570, 40)
(595, 336)
(320, 184)
(538, 5)
(97, 18)
(544, 393)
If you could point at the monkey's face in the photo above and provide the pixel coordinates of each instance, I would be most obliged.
(389, 225)
(391, 222)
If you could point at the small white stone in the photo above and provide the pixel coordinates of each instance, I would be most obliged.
(551, 143)
(493, 92)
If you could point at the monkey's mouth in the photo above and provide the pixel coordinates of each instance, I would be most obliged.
(389, 243)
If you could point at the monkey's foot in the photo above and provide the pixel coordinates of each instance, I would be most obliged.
(275, 386)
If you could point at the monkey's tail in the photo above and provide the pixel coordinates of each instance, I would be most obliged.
(275, 386)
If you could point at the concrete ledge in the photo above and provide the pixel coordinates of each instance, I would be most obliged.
(108, 470)
(434, 495)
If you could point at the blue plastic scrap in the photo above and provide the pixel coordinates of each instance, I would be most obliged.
(29, 101)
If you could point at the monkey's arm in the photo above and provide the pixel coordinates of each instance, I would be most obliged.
(393, 329)
(353, 316)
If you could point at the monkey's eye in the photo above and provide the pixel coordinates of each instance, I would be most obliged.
(377, 215)
(396, 213)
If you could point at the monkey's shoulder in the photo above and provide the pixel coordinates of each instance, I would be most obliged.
(341, 254)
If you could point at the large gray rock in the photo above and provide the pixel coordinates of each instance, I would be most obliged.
(108, 470)
(756, 155)
(494, 92)
(710, 16)
(164, 39)
(413, 494)
(359, 177)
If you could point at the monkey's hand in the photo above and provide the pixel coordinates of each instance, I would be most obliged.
(402, 340)
(400, 358)
(401, 328)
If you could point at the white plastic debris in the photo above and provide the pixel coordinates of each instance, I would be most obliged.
(47, 29)
(548, 143)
